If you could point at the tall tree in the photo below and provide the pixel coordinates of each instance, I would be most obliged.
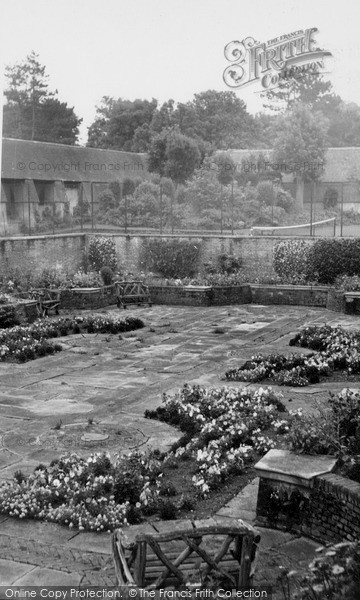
(219, 118)
(308, 87)
(174, 155)
(118, 120)
(344, 129)
(300, 147)
(32, 111)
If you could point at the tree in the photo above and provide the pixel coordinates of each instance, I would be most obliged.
(174, 155)
(226, 168)
(118, 120)
(31, 111)
(219, 118)
(300, 147)
(344, 129)
(308, 87)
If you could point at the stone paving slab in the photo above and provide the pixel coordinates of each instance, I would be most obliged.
(10, 571)
(87, 540)
(51, 577)
(36, 530)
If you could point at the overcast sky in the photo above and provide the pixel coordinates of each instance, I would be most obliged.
(166, 48)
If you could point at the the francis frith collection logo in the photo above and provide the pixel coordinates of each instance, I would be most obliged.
(279, 58)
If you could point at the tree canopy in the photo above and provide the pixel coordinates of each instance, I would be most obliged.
(31, 111)
(300, 146)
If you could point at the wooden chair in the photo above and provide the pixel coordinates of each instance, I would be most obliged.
(223, 548)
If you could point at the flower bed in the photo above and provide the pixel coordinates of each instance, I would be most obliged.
(337, 349)
(93, 494)
(226, 429)
(223, 428)
(22, 343)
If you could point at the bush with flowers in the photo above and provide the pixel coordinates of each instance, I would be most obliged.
(333, 429)
(336, 349)
(94, 493)
(223, 428)
(22, 343)
(333, 575)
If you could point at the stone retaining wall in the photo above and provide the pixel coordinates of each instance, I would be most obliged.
(321, 505)
(200, 295)
(88, 298)
(289, 294)
(20, 313)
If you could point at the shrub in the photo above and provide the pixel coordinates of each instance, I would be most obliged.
(329, 258)
(284, 200)
(167, 510)
(107, 275)
(101, 253)
(170, 258)
(229, 264)
(348, 283)
(291, 260)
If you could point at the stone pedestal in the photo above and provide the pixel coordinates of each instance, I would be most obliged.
(286, 482)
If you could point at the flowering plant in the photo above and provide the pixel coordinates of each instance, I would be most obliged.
(22, 343)
(223, 428)
(94, 493)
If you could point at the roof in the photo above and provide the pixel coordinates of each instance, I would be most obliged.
(25, 159)
(341, 164)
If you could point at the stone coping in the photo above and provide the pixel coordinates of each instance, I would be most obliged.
(288, 286)
(300, 469)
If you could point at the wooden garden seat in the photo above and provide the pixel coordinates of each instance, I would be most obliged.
(46, 300)
(132, 292)
(224, 547)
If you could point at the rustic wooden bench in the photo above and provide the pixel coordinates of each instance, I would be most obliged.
(46, 300)
(132, 292)
(183, 551)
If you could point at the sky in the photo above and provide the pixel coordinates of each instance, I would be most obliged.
(166, 48)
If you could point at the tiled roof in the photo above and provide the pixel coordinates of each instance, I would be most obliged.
(341, 164)
(24, 159)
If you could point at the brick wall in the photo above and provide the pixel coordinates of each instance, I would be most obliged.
(334, 509)
(327, 512)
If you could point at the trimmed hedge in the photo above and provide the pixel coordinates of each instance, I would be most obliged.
(323, 261)
(171, 258)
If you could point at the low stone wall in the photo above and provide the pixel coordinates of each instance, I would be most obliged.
(181, 295)
(297, 295)
(88, 298)
(322, 506)
(20, 313)
(200, 295)
(231, 294)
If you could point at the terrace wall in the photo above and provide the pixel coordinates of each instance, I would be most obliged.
(39, 252)
(42, 252)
